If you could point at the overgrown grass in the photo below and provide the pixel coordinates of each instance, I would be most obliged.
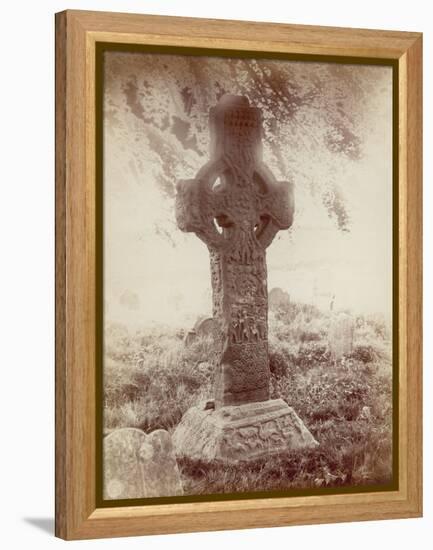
(151, 379)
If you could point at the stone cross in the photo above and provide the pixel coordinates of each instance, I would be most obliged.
(236, 207)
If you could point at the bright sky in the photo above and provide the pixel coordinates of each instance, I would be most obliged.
(149, 281)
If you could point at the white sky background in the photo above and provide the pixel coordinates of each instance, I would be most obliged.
(149, 279)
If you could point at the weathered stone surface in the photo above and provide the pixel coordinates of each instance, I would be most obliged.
(243, 432)
(206, 326)
(160, 470)
(340, 335)
(190, 338)
(137, 465)
(236, 207)
(122, 472)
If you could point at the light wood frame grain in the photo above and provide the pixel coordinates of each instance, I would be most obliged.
(77, 33)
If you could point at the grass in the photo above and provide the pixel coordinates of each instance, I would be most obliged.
(151, 379)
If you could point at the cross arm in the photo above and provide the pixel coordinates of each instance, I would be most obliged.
(277, 209)
(196, 209)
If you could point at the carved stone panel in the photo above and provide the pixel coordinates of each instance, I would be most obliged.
(236, 207)
(243, 432)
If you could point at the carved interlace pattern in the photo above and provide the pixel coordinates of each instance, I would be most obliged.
(237, 219)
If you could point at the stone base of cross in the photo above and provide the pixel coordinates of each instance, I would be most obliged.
(236, 207)
(244, 432)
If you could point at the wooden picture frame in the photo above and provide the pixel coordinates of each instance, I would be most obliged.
(78, 34)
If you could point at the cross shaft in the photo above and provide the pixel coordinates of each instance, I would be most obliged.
(236, 207)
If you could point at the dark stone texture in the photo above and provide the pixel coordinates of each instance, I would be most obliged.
(236, 207)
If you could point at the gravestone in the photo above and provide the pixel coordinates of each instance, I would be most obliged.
(204, 327)
(236, 207)
(278, 298)
(159, 466)
(340, 335)
(137, 465)
(190, 337)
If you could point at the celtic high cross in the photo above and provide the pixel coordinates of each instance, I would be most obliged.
(236, 207)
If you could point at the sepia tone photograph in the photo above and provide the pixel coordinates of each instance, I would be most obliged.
(247, 222)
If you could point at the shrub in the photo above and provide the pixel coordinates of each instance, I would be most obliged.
(309, 336)
(311, 354)
(364, 353)
(277, 364)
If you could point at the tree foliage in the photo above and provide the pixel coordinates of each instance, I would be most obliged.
(316, 117)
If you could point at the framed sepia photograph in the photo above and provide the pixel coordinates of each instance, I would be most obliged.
(238, 274)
